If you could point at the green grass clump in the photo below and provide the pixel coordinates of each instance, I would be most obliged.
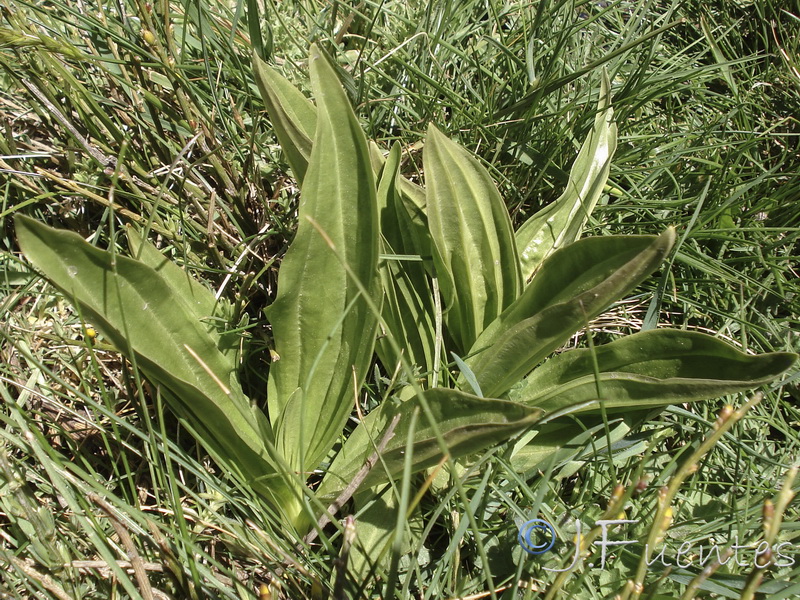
(148, 116)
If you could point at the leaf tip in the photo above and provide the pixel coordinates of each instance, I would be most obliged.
(433, 131)
(604, 102)
(24, 228)
(314, 53)
(667, 238)
(258, 62)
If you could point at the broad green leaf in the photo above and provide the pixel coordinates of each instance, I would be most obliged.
(12, 277)
(413, 221)
(651, 368)
(467, 375)
(394, 222)
(323, 328)
(408, 302)
(569, 272)
(561, 222)
(293, 115)
(254, 23)
(141, 315)
(565, 444)
(294, 118)
(467, 423)
(375, 524)
(569, 301)
(408, 313)
(197, 298)
(474, 253)
(376, 529)
(411, 191)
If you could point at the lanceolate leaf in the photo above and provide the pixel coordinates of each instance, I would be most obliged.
(519, 348)
(140, 314)
(474, 253)
(565, 443)
(407, 304)
(651, 368)
(394, 223)
(324, 331)
(197, 299)
(467, 423)
(293, 115)
(413, 220)
(572, 271)
(561, 223)
(294, 118)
